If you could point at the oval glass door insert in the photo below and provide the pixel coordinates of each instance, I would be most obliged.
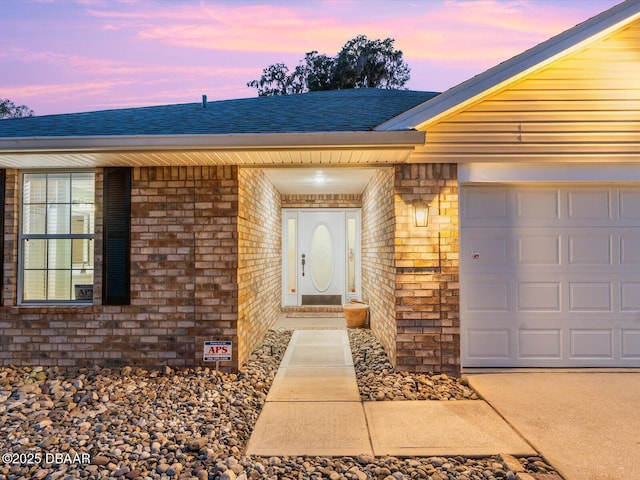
(321, 261)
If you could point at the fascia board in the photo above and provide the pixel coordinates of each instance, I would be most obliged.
(315, 140)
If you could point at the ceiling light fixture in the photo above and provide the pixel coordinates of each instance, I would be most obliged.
(319, 178)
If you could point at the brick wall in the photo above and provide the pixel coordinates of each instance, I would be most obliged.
(184, 259)
(378, 258)
(184, 262)
(410, 274)
(11, 224)
(190, 282)
(321, 201)
(260, 258)
(38, 335)
(427, 270)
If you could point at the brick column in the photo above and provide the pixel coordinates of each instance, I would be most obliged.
(427, 270)
(216, 258)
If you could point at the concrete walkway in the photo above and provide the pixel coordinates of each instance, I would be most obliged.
(584, 423)
(313, 408)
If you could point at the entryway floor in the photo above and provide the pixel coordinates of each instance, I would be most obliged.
(309, 321)
(314, 408)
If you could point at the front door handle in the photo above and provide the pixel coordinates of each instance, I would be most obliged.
(303, 262)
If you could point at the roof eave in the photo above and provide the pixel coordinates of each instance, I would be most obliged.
(498, 77)
(280, 141)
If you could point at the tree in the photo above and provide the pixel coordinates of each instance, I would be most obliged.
(360, 63)
(370, 64)
(317, 71)
(275, 80)
(8, 109)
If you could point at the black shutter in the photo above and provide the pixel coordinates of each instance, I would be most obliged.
(116, 268)
(3, 183)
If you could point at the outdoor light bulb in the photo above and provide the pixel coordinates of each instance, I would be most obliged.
(420, 213)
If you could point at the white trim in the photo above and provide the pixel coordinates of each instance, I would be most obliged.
(289, 298)
(22, 237)
(136, 143)
(555, 173)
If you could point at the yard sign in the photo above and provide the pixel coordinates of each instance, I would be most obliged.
(217, 351)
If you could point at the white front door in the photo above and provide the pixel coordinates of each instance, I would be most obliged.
(320, 256)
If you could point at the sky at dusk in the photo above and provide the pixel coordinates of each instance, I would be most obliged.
(61, 56)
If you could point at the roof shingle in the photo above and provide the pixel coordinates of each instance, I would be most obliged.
(329, 111)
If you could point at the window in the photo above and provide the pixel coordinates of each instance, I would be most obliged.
(56, 238)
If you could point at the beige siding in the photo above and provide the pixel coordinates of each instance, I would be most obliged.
(583, 107)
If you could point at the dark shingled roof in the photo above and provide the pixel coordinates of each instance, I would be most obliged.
(350, 110)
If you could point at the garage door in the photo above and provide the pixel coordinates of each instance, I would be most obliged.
(550, 276)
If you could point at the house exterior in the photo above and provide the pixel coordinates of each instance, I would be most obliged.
(133, 236)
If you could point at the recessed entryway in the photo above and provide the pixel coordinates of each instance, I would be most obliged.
(321, 233)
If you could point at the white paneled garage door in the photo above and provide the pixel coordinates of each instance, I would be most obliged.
(550, 276)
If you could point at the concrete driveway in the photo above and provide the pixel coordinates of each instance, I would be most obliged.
(585, 424)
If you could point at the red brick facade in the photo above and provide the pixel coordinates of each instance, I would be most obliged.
(184, 287)
(206, 265)
(427, 270)
(260, 250)
(410, 274)
(378, 257)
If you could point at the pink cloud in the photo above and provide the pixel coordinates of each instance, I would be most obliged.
(61, 90)
(485, 30)
(255, 28)
(98, 66)
(142, 52)
(473, 31)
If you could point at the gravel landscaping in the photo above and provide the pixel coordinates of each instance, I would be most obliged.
(377, 380)
(193, 424)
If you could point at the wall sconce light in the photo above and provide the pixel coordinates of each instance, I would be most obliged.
(420, 213)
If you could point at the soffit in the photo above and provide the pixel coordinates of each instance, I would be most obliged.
(264, 158)
(343, 148)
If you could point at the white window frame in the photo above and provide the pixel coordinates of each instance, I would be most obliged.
(22, 238)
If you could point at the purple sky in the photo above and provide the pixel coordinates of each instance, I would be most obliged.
(60, 56)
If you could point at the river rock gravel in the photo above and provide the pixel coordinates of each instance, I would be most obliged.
(377, 379)
(131, 423)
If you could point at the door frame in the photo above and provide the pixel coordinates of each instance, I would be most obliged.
(290, 279)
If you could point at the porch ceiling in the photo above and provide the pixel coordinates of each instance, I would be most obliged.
(379, 156)
(317, 180)
(343, 148)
